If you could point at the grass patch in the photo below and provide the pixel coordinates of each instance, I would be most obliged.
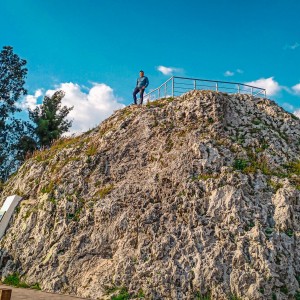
(206, 176)
(36, 286)
(122, 294)
(92, 150)
(48, 188)
(169, 145)
(105, 191)
(293, 167)
(160, 102)
(199, 296)
(58, 145)
(14, 280)
(275, 185)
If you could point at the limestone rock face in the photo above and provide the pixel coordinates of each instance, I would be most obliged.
(186, 197)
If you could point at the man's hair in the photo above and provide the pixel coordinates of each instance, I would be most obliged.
(142, 71)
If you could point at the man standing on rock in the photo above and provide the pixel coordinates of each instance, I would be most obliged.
(141, 83)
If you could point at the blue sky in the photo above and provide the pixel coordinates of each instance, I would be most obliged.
(83, 42)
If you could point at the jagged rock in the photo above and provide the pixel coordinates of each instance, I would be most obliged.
(189, 196)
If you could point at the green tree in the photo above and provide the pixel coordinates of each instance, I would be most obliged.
(50, 119)
(12, 79)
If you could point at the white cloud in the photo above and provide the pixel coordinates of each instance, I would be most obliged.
(232, 73)
(30, 101)
(228, 73)
(168, 70)
(297, 113)
(90, 107)
(272, 86)
(292, 47)
(296, 89)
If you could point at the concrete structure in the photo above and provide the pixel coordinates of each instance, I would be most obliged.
(7, 211)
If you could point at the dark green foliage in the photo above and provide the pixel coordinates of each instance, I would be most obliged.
(14, 280)
(234, 297)
(199, 296)
(122, 295)
(289, 232)
(240, 164)
(284, 289)
(50, 119)
(12, 80)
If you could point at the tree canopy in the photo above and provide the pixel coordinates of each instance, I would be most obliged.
(12, 80)
(50, 119)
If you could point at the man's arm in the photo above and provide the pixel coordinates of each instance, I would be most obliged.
(147, 82)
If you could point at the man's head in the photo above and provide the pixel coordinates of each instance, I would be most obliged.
(141, 73)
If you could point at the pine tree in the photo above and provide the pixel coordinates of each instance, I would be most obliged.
(50, 119)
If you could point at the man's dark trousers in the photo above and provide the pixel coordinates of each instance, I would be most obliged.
(138, 90)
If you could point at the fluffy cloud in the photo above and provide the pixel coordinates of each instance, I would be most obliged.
(228, 73)
(90, 107)
(296, 89)
(272, 86)
(168, 70)
(30, 101)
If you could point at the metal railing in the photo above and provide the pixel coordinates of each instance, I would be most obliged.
(176, 86)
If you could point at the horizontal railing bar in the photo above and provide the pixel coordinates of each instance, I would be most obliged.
(219, 81)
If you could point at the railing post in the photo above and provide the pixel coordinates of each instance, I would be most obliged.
(216, 86)
(266, 94)
(251, 91)
(172, 86)
(195, 85)
(239, 89)
(165, 90)
(159, 93)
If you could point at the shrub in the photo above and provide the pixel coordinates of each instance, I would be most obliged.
(240, 164)
(14, 280)
(122, 295)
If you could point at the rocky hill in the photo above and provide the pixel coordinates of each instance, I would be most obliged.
(196, 197)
